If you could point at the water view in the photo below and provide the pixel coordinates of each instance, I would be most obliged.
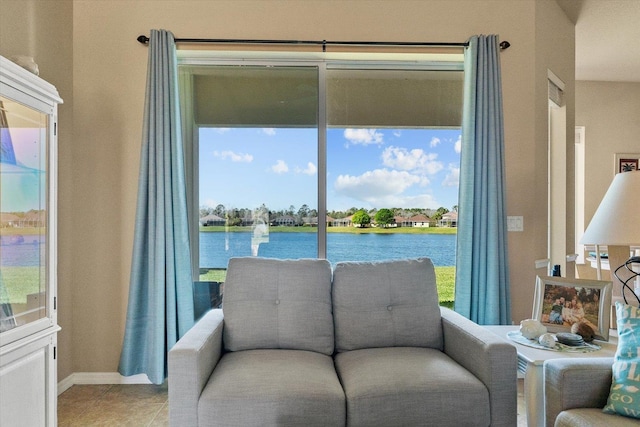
(217, 247)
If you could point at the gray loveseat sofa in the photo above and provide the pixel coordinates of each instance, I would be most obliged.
(576, 390)
(297, 344)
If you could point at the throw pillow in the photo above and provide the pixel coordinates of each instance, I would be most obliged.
(624, 396)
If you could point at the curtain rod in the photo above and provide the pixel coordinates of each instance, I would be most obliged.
(324, 43)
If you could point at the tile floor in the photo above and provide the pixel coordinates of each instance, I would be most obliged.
(133, 405)
(140, 405)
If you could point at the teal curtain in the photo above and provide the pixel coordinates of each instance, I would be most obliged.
(160, 307)
(482, 271)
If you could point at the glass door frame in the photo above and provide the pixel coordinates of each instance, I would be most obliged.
(323, 63)
(39, 98)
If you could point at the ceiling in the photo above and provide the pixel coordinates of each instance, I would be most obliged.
(607, 38)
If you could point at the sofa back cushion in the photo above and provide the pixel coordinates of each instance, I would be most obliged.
(272, 303)
(386, 304)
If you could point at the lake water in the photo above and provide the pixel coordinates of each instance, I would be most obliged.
(22, 251)
(217, 247)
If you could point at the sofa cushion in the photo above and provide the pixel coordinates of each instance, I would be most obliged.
(273, 387)
(386, 304)
(624, 397)
(408, 386)
(272, 303)
(592, 417)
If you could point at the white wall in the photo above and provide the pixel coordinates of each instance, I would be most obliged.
(610, 113)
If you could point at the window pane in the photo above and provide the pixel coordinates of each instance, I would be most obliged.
(390, 141)
(394, 98)
(393, 160)
(250, 96)
(23, 214)
(258, 160)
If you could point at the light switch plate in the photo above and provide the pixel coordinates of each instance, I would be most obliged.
(515, 223)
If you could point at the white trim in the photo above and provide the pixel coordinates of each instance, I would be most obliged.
(374, 58)
(580, 190)
(85, 378)
(65, 384)
(542, 263)
(555, 79)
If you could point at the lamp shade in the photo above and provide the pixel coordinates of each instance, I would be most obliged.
(617, 219)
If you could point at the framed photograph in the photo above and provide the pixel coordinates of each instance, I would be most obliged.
(560, 302)
(626, 162)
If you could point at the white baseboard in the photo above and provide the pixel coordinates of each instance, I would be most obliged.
(65, 384)
(100, 378)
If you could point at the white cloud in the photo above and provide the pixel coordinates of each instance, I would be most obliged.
(383, 187)
(222, 130)
(269, 131)
(435, 141)
(311, 169)
(280, 167)
(414, 160)
(424, 181)
(457, 146)
(363, 136)
(234, 157)
(453, 176)
(375, 184)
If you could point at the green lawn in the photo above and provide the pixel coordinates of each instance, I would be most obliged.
(18, 282)
(445, 281)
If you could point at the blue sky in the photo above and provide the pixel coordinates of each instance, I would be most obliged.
(370, 168)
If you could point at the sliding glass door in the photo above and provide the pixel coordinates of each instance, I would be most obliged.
(331, 159)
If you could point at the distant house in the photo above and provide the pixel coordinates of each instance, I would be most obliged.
(450, 219)
(343, 222)
(420, 221)
(31, 219)
(211, 219)
(286, 220)
(247, 219)
(398, 221)
(9, 220)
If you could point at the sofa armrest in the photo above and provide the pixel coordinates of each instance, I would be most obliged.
(575, 383)
(191, 362)
(490, 358)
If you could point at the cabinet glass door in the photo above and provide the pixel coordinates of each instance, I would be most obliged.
(23, 214)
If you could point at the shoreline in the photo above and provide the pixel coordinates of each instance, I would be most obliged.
(351, 230)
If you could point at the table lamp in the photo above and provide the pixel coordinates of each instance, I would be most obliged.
(617, 223)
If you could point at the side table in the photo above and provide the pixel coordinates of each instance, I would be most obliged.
(531, 361)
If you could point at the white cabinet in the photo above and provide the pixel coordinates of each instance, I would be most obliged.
(28, 184)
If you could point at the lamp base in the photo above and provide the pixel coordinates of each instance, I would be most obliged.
(627, 275)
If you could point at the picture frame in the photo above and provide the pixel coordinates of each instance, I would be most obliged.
(626, 162)
(579, 300)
